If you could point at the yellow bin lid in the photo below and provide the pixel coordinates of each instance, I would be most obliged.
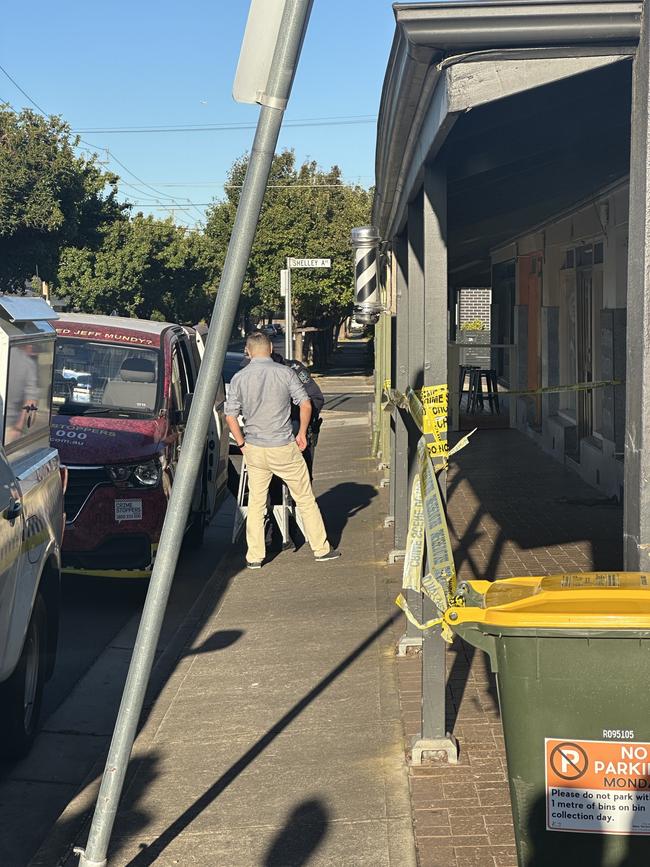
(586, 600)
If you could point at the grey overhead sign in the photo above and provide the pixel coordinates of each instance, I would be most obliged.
(258, 45)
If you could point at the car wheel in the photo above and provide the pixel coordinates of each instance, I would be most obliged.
(21, 696)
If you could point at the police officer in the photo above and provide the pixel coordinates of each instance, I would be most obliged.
(317, 402)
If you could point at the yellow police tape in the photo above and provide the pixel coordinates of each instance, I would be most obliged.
(429, 624)
(394, 398)
(428, 527)
(428, 522)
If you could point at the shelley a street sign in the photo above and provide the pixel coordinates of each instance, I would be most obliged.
(309, 263)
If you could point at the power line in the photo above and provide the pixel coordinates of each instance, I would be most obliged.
(270, 187)
(145, 184)
(228, 127)
(203, 184)
(24, 93)
(95, 147)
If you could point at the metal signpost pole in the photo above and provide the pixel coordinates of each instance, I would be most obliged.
(273, 96)
(285, 291)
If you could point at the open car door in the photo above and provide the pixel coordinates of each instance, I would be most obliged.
(216, 469)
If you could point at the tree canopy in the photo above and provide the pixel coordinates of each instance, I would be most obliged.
(143, 267)
(50, 197)
(60, 219)
(307, 213)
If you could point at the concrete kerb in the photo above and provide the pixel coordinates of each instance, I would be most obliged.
(71, 826)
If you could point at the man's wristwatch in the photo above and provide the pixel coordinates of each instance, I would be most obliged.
(241, 445)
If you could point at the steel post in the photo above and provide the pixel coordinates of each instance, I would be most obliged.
(392, 421)
(288, 316)
(387, 341)
(414, 348)
(411, 639)
(401, 383)
(379, 374)
(287, 51)
(636, 512)
(434, 738)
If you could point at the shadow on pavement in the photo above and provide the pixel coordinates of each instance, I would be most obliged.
(342, 502)
(514, 500)
(584, 849)
(152, 853)
(514, 510)
(304, 831)
(72, 826)
(219, 640)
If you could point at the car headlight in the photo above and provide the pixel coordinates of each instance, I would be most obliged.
(148, 474)
(119, 473)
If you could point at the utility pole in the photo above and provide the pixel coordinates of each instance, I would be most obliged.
(265, 75)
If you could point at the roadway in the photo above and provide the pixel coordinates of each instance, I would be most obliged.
(98, 627)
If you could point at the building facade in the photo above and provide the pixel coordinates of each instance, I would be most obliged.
(513, 155)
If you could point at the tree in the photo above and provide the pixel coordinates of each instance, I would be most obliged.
(49, 196)
(143, 267)
(307, 212)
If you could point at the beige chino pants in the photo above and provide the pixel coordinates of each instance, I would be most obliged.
(288, 464)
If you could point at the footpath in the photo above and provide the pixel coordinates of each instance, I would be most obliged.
(282, 737)
(512, 511)
(278, 740)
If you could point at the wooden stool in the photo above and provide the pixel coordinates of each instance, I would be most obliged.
(465, 369)
(475, 400)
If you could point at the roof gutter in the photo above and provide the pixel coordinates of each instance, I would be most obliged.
(426, 33)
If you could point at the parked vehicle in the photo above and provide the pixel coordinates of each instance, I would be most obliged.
(122, 393)
(31, 519)
(233, 362)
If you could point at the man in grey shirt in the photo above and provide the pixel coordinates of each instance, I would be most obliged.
(262, 392)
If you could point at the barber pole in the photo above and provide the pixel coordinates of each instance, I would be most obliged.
(367, 306)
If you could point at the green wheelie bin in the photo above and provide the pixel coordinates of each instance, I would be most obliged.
(571, 654)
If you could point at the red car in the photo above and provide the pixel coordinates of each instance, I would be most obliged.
(121, 397)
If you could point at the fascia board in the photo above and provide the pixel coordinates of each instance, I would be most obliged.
(452, 25)
(426, 31)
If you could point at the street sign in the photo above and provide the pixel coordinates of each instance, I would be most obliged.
(285, 283)
(258, 45)
(309, 263)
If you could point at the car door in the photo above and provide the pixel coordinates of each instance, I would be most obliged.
(12, 525)
(217, 443)
(180, 388)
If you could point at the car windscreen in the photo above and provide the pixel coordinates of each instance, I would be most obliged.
(106, 379)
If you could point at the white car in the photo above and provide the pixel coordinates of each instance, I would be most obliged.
(31, 519)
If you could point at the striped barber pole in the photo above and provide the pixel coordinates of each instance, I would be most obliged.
(367, 306)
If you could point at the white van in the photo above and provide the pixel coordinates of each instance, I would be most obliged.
(31, 518)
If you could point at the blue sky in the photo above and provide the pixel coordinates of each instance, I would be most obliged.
(146, 63)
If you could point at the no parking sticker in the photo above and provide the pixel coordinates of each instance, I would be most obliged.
(598, 787)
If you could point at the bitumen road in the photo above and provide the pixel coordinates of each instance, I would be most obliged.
(99, 620)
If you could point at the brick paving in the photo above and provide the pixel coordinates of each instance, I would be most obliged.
(512, 511)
